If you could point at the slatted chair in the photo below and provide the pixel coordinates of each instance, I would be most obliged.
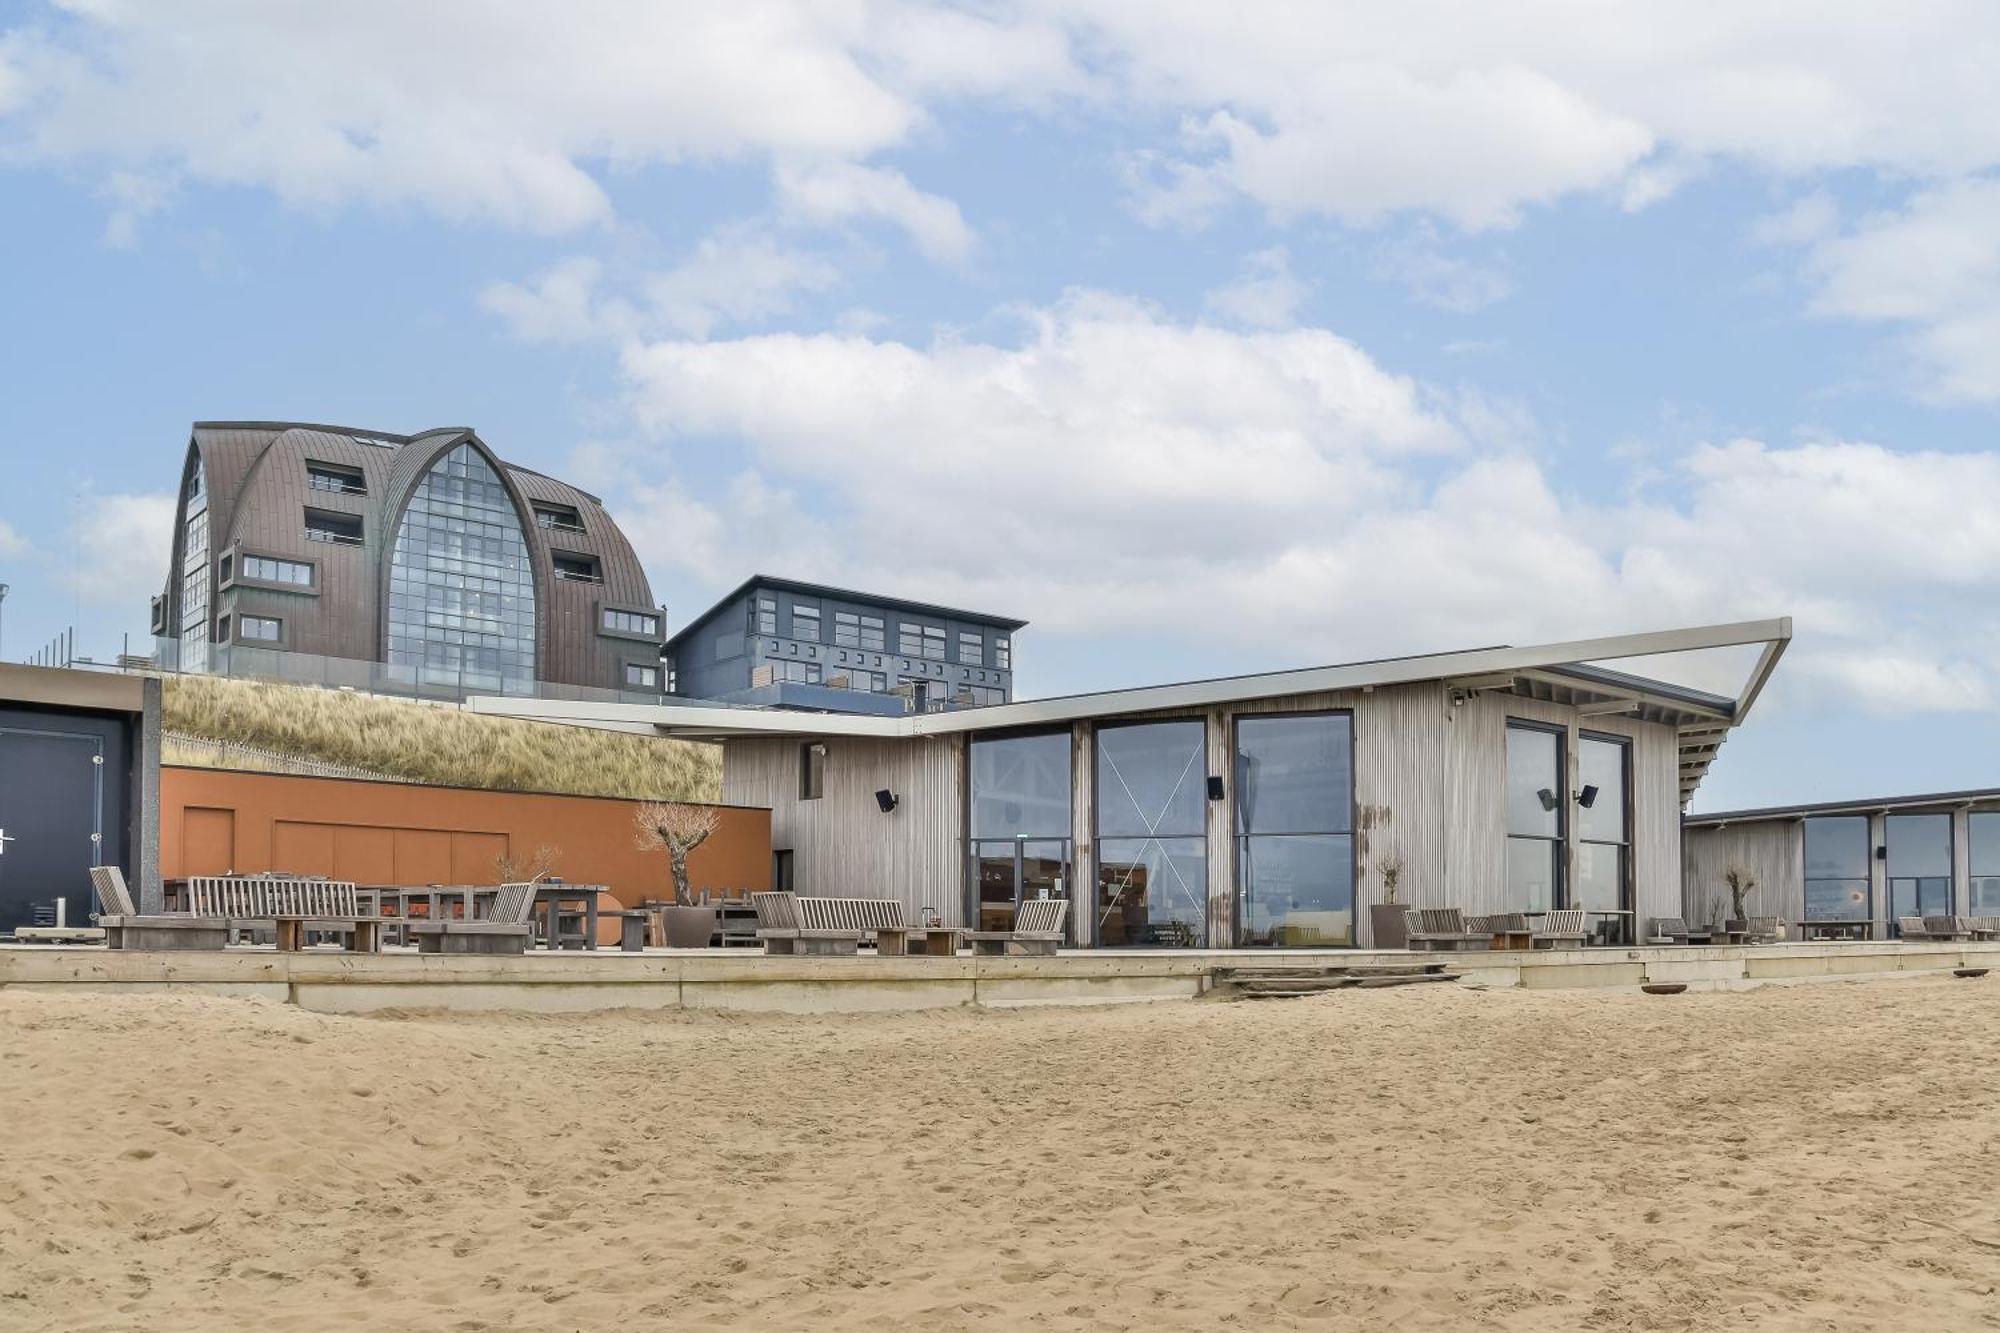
(1953, 928)
(788, 924)
(506, 929)
(1985, 927)
(1763, 930)
(1038, 931)
(1912, 930)
(1564, 928)
(125, 927)
(1669, 930)
(1431, 928)
(291, 906)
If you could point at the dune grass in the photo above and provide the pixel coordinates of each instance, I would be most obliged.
(442, 745)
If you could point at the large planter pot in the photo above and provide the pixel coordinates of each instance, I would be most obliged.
(1387, 926)
(688, 927)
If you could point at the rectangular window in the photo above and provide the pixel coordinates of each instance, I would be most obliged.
(910, 640)
(325, 526)
(1003, 652)
(1919, 865)
(767, 615)
(1984, 849)
(873, 636)
(223, 567)
(222, 629)
(263, 629)
(1604, 839)
(1836, 857)
(971, 649)
(1294, 786)
(574, 568)
(805, 623)
(631, 622)
(266, 570)
(557, 518)
(1019, 801)
(812, 771)
(846, 629)
(1534, 817)
(335, 477)
(798, 673)
(934, 642)
(1152, 846)
(642, 676)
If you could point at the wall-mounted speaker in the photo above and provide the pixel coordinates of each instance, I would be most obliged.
(886, 799)
(1215, 788)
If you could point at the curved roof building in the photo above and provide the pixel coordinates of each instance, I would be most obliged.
(420, 562)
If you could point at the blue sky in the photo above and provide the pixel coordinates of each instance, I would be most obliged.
(1207, 341)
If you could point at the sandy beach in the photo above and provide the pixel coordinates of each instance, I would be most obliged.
(1822, 1157)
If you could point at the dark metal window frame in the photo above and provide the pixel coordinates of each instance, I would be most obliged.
(1867, 875)
(1237, 840)
(1097, 832)
(333, 527)
(1627, 891)
(812, 775)
(1558, 891)
(335, 478)
(241, 577)
(1950, 861)
(970, 886)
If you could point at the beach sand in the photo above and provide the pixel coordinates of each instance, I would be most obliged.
(1823, 1157)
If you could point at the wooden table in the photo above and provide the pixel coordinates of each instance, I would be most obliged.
(1827, 928)
(553, 896)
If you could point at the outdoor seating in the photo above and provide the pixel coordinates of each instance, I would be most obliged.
(789, 924)
(506, 930)
(1913, 930)
(1763, 930)
(293, 907)
(1565, 928)
(125, 927)
(1985, 927)
(1038, 930)
(1947, 928)
(1442, 928)
(1669, 930)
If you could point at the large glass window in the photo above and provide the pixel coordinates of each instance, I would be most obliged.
(1152, 845)
(1602, 869)
(805, 623)
(1534, 817)
(1020, 823)
(1836, 859)
(1294, 829)
(461, 592)
(1919, 865)
(1984, 848)
(194, 575)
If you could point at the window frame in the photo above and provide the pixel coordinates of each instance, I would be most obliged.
(1559, 886)
(812, 771)
(1238, 840)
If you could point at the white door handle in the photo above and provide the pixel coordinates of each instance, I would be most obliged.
(4, 840)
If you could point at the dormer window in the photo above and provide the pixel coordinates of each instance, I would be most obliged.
(335, 477)
(557, 518)
(572, 568)
(325, 526)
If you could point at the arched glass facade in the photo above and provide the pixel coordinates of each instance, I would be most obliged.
(194, 572)
(461, 590)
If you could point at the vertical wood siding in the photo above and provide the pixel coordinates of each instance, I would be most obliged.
(1772, 851)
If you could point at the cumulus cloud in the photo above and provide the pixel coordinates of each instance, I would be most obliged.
(838, 192)
(1264, 295)
(129, 539)
(1315, 505)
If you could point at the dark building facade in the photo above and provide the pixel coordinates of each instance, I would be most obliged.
(781, 643)
(422, 562)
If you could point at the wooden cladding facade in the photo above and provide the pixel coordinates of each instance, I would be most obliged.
(1429, 792)
(260, 487)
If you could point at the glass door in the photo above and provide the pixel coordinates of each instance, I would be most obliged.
(1019, 794)
(1919, 865)
(1535, 810)
(1601, 877)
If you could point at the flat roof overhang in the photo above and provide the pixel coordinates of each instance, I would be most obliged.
(1563, 673)
(1934, 802)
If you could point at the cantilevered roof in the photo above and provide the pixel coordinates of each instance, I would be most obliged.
(1560, 672)
(1941, 800)
(800, 587)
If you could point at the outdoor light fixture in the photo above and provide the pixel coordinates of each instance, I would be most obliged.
(1547, 798)
(1214, 788)
(1587, 797)
(886, 799)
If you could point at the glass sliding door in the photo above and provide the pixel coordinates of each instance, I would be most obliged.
(1836, 854)
(1534, 817)
(1919, 865)
(1602, 878)
(1020, 823)
(1984, 896)
(1152, 843)
(1294, 789)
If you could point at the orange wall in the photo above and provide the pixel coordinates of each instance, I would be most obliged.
(214, 821)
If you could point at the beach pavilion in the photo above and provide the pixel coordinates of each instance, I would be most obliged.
(1269, 809)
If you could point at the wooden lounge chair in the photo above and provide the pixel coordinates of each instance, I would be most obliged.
(1947, 928)
(1442, 928)
(1038, 930)
(1669, 930)
(1985, 927)
(1912, 930)
(126, 928)
(293, 907)
(789, 924)
(1763, 930)
(507, 930)
(1565, 928)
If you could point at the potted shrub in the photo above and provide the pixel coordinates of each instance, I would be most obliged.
(1386, 923)
(677, 829)
(1740, 883)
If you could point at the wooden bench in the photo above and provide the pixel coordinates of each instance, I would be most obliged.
(292, 906)
(125, 927)
(1038, 931)
(505, 930)
(1913, 930)
(789, 924)
(1428, 928)
(1565, 928)
(1984, 927)
(1954, 928)
(1669, 930)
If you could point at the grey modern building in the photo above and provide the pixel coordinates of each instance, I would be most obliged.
(412, 563)
(782, 643)
(1850, 868)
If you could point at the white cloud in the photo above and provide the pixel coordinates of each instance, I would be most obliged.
(1421, 267)
(127, 541)
(1933, 270)
(1265, 294)
(11, 542)
(838, 192)
(1315, 506)
(132, 198)
(560, 306)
